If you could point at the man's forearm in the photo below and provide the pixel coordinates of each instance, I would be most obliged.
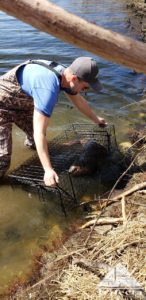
(40, 123)
(83, 107)
(42, 150)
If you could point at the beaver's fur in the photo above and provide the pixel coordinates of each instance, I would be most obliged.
(90, 160)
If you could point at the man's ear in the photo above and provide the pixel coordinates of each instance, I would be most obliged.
(74, 78)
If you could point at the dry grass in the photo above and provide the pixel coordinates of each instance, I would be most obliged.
(74, 272)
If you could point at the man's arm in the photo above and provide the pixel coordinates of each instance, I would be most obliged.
(83, 107)
(40, 124)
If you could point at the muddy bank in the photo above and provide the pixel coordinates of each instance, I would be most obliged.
(111, 235)
(77, 269)
(137, 20)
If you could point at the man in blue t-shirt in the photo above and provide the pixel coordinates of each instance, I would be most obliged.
(42, 81)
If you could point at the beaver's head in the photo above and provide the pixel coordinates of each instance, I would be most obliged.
(80, 170)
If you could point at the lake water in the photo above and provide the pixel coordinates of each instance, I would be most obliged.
(26, 223)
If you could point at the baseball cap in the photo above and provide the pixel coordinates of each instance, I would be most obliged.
(86, 69)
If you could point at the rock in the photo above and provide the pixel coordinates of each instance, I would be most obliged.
(142, 115)
(125, 146)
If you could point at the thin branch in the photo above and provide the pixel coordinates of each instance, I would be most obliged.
(135, 103)
(123, 174)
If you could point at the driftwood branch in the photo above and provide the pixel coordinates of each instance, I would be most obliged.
(106, 202)
(135, 188)
(54, 20)
(102, 221)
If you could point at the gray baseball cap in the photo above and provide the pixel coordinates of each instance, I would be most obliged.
(86, 69)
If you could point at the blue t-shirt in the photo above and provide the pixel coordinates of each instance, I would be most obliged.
(41, 84)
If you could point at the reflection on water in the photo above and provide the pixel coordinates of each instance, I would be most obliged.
(26, 225)
(25, 222)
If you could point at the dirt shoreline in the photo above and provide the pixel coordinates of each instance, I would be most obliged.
(76, 269)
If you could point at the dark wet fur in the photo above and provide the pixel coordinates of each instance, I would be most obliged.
(90, 160)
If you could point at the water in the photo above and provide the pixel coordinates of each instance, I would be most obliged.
(26, 223)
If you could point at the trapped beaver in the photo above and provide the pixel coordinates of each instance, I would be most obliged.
(90, 160)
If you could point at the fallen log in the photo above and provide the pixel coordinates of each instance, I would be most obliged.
(54, 20)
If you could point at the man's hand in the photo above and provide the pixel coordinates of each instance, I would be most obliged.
(50, 177)
(101, 122)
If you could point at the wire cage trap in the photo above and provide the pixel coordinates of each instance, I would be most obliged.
(63, 150)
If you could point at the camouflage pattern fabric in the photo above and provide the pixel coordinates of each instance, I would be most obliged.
(15, 107)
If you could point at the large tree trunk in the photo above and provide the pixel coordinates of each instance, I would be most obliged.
(70, 28)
